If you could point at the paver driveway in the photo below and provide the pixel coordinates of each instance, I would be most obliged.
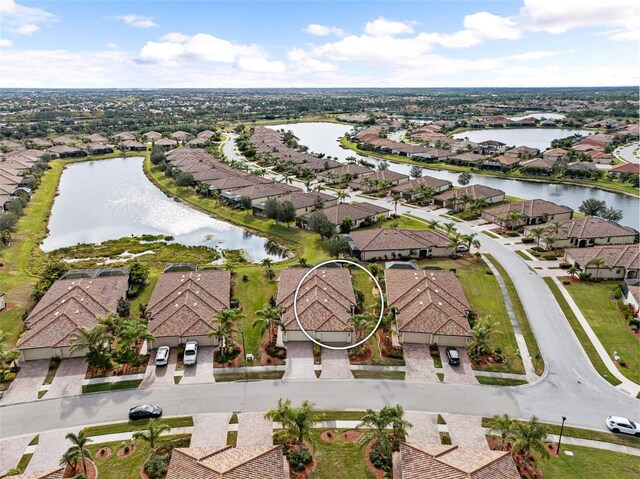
(51, 446)
(202, 371)
(27, 383)
(68, 379)
(425, 428)
(254, 430)
(210, 429)
(419, 363)
(299, 361)
(335, 364)
(11, 450)
(462, 374)
(160, 376)
(466, 431)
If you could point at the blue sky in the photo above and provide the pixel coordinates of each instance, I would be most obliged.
(319, 43)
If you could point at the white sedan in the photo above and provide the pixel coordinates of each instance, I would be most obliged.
(162, 356)
(623, 425)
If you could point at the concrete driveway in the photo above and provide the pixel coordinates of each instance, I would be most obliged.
(462, 374)
(419, 363)
(202, 371)
(254, 430)
(466, 431)
(210, 429)
(299, 361)
(335, 364)
(11, 450)
(68, 379)
(160, 376)
(27, 383)
(425, 428)
(51, 446)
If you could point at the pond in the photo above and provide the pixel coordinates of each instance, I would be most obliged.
(323, 137)
(540, 138)
(539, 116)
(111, 199)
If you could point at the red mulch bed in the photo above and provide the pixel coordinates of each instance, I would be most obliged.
(350, 436)
(104, 452)
(385, 346)
(308, 468)
(366, 355)
(531, 472)
(234, 363)
(132, 449)
(329, 435)
(265, 359)
(486, 360)
(119, 371)
(378, 472)
(92, 470)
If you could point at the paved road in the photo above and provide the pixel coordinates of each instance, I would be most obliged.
(627, 153)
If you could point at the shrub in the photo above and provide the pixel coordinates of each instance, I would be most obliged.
(14, 471)
(537, 249)
(550, 257)
(489, 272)
(564, 265)
(566, 281)
(528, 239)
(617, 292)
(9, 376)
(584, 276)
(299, 458)
(445, 439)
(622, 362)
(379, 460)
(245, 278)
(276, 351)
(225, 356)
(512, 234)
(453, 270)
(157, 466)
(498, 358)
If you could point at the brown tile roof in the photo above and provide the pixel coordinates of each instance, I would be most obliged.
(417, 182)
(68, 305)
(179, 135)
(185, 303)
(474, 191)
(507, 160)
(529, 209)
(62, 149)
(451, 462)
(205, 134)
(582, 165)
(615, 256)
(555, 152)
(354, 211)
(49, 474)
(428, 301)
(384, 175)
(62, 140)
(302, 199)
(226, 462)
(133, 144)
(584, 228)
(265, 190)
(125, 135)
(350, 168)
(324, 301)
(633, 168)
(548, 163)
(469, 158)
(165, 142)
(152, 135)
(386, 239)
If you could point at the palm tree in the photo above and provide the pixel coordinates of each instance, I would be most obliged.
(598, 262)
(501, 221)
(395, 198)
(513, 217)
(287, 178)
(530, 437)
(297, 422)
(503, 425)
(267, 319)
(78, 449)
(554, 226)
(224, 329)
(449, 227)
(7, 354)
(537, 233)
(481, 334)
(360, 323)
(376, 425)
(70, 458)
(550, 241)
(151, 435)
(342, 195)
(111, 323)
(266, 263)
(93, 340)
(470, 239)
(455, 240)
(131, 336)
(433, 224)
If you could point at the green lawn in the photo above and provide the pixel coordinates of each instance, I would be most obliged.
(397, 375)
(97, 388)
(489, 381)
(255, 375)
(339, 459)
(185, 421)
(484, 296)
(582, 336)
(521, 316)
(115, 467)
(590, 463)
(600, 310)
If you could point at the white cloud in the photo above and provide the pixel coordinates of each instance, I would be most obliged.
(175, 37)
(303, 61)
(5, 43)
(137, 21)
(23, 20)
(383, 27)
(260, 65)
(112, 45)
(323, 30)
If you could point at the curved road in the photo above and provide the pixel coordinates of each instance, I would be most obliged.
(570, 387)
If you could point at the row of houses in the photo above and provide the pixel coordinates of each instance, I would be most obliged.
(15, 173)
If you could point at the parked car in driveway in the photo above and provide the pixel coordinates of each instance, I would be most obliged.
(453, 356)
(462, 249)
(623, 425)
(162, 356)
(190, 353)
(145, 411)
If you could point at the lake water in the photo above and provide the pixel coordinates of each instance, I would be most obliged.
(323, 137)
(111, 199)
(540, 138)
(539, 116)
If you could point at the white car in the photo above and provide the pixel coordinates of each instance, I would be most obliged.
(623, 425)
(162, 356)
(190, 353)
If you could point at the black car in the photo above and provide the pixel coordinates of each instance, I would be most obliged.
(145, 411)
(453, 356)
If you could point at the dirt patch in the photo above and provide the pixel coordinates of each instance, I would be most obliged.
(92, 470)
(379, 473)
(350, 436)
(329, 435)
(126, 450)
(104, 452)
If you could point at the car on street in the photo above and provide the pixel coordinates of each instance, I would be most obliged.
(162, 356)
(145, 411)
(453, 356)
(190, 353)
(623, 425)
(462, 249)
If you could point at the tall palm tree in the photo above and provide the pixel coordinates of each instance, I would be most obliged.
(450, 227)
(78, 449)
(132, 334)
(469, 239)
(224, 327)
(94, 341)
(267, 263)
(267, 319)
(537, 233)
(70, 458)
(111, 323)
(530, 437)
(151, 435)
(360, 323)
(481, 334)
(455, 240)
(550, 241)
(433, 224)
(513, 217)
(554, 227)
(598, 262)
(503, 425)
(342, 195)
(501, 221)
(376, 426)
(395, 198)
(296, 421)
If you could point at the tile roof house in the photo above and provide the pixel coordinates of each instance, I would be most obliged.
(132, 145)
(392, 243)
(325, 304)
(68, 305)
(227, 462)
(97, 138)
(627, 168)
(520, 151)
(538, 166)
(152, 135)
(370, 181)
(410, 189)
(532, 212)
(501, 162)
(62, 140)
(48, 474)
(125, 135)
(621, 261)
(184, 303)
(467, 159)
(303, 202)
(64, 151)
(257, 192)
(452, 199)
(166, 143)
(335, 175)
(430, 307)
(584, 232)
(421, 461)
(97, 148)
(206, 134)
(180, 135)
(359, 213)
(555, 153)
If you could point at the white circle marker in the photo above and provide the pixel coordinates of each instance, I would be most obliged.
(295, 305)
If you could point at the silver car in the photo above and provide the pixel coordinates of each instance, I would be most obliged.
(162, 356)
(190, 353)
(623, 425)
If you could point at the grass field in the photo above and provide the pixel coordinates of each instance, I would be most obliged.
(600, 310)
(185, 421)
(97, 388)
(590, 463)
(338, 459)
(582, 336)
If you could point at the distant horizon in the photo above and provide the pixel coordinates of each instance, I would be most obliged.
(583, 87)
